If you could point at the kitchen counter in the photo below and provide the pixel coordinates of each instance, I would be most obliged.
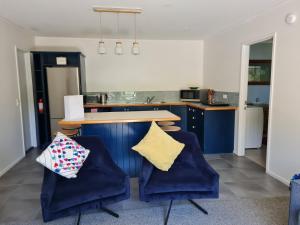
(133, 104)
(123, 117)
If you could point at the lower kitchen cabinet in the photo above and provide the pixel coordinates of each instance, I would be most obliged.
(104, 109)
(214, 129)
(219, 131)
(182, 113)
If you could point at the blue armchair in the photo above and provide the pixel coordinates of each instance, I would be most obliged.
(98, 183)
(190, 177)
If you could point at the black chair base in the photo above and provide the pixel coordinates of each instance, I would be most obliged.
(192, 202)
(104, 209)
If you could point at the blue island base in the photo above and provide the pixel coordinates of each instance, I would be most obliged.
(119, 138)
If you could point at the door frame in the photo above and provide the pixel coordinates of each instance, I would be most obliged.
(30, 97)
(245, 56)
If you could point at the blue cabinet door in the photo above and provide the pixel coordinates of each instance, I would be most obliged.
(120, 109)
(180, 111)
(105, 109)
(214, 129)
(218, 131)
(195, 124)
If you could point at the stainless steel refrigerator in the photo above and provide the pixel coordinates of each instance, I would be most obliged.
(61, 81)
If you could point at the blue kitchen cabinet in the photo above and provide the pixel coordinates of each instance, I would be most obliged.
(121, 109)
(195, 123)
(41, 60)
(180, 111)
(142, 108)
(139, 108)
(214, 129)
(104, 109)
(218, 131)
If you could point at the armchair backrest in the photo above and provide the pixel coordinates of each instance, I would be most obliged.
(98, 156)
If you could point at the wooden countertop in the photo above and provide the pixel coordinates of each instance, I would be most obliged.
(123, 117)
(192, 104)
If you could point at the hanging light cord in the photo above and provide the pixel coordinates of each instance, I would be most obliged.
(135, 27)
(118, 36)
(100, 21)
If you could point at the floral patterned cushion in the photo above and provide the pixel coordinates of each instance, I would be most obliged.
(63, 156)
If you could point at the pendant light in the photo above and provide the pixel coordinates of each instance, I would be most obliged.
(118, 48)
(101, 46)
(135, 50)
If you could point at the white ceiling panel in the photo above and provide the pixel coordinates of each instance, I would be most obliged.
(161, 19)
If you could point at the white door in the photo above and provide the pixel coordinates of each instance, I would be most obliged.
(24, 99)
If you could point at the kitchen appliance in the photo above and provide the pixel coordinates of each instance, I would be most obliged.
(62, 81)
(103, 98)
(190, 95)
(91, 98)
(207, 97)
(254, 126)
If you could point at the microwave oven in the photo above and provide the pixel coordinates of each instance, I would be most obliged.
(190, 95)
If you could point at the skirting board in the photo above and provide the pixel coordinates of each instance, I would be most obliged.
(277, 177)
(2, 172)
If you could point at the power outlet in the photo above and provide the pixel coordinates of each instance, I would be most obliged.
(225, 96)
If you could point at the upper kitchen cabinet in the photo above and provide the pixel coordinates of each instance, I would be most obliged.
(41, 61)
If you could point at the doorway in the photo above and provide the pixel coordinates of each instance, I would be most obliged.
(258, 95)
(26, 98)
(256, 89)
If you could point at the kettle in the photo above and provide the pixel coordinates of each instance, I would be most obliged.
(103, 98)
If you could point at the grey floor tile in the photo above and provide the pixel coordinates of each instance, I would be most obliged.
(248, 189)
(19, 210)
(239, 178)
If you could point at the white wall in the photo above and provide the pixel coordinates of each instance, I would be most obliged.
(11, 145)
(162, 65)
(222, 71)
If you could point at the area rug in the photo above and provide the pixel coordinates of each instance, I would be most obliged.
(268, 211)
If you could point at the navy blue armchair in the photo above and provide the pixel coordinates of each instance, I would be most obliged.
(98, 183)
(190, 177)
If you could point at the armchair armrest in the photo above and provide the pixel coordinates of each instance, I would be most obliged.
(145, 173)
(48, 187)
(201, 161)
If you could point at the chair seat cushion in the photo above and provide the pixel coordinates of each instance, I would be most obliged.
(89, 185)
(182, 177)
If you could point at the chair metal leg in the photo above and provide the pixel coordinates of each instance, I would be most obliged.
(168, 213)
(198, 207)
(110, 212)
(78, 219)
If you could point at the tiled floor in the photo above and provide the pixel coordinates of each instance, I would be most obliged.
(239, 178)
(258, 156)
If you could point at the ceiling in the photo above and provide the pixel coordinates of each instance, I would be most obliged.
(161, 19)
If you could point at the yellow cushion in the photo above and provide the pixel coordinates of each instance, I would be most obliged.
(159, 148)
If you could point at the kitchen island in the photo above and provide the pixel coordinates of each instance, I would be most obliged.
(213, 125)
(120, 131)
